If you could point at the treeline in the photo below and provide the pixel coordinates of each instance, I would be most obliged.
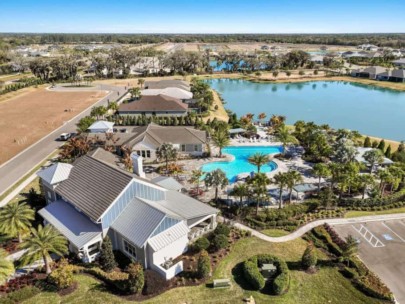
(387, 39)
(21, 84)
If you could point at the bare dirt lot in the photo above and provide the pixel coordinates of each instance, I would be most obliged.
(27, 118)
(382, 249)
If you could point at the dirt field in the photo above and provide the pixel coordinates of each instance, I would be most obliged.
(28, 117)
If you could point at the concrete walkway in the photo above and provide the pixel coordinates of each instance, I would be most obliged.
(304, 229)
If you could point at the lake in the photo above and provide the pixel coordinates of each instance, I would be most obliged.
(370, 110)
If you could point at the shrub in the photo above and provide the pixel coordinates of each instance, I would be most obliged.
(280, 283)
(154, 283)
(62, 277)
(201, 244)
(107, 259)
(220, 241)
(21, 295)
(203, 265)
(252, 275)
(122, 260)
(301, 73)
(222, 229)
(136, 279)
(309, 258)
(349, 273)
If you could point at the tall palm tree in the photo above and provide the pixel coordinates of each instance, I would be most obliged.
(135, 92)
(276, 121)
(293, 178)
(320, 170)
(141, 82)
(280, 180)
(221, 140)
(240, 190)
(259, 188)
(15, 218)
(365, 180)
(259, 159)
(6, 266)
(261, 117)
(283, 135)
(196, 177)
(167, 152)
(217, 179)
(44, 241)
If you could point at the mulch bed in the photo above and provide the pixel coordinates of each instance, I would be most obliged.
(69, 290)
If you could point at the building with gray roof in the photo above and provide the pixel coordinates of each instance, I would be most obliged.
(144, 219)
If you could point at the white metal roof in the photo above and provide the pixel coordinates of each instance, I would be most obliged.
(171, 92)
(168, 236)
(101, 124)
(168, 182)
(75, 226)
(360, 156)
(56, 173)
(138, 221)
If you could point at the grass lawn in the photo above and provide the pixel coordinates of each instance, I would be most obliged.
(274, 232)
(365, 213)
(326, 286)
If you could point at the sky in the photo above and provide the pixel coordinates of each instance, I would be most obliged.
(203, 16)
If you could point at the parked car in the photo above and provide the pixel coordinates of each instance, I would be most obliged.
(64, 136)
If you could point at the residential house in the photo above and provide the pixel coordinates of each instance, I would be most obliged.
(370, 72)
(145, 221)
(398, 75)
(154, 105)
(101, 126)
(167, 83)
(360, 157)
(399, 63)
(317, 59)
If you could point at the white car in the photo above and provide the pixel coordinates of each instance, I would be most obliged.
(64, 136)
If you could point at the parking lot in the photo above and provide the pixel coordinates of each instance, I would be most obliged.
(382, 249)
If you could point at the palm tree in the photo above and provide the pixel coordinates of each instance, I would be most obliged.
(141, 82)
(6, 266)
(196, 177)
(385, 178)
(221, 140)
(365, 180)
(135, 92)
(283, 135)
(276, 121)
(293, 178)
(259, 187)
(240, 190)
(217, 179)
(320, 171)
(349, 248)
(126, 158)
(167, 152)
(259, 159)
(280, 179)
(373, 157)
(44, 241)
(261, 116)
(15, 218)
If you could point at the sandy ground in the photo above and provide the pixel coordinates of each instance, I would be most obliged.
(220, 113)
(28, 117)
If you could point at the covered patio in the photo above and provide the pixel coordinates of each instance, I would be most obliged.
(84, 236)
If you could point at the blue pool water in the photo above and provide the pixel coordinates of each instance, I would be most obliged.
(240, 164)
(341, 104)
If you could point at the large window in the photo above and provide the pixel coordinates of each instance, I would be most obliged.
(128, 248)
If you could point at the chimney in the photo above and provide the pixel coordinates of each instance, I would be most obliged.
(137, 165)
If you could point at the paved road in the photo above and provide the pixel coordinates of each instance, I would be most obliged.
(13, 170)
(304, 229)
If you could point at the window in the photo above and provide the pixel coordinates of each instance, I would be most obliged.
(195, 148)
(148, 153)
(49, 195)
(138, 152)
(183, 148)
(143, 154)
(128, 248)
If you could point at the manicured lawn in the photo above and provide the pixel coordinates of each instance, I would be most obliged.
(274, 232)
(326, 286)
(365, 213)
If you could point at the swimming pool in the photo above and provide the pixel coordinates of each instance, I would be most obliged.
(240, 164)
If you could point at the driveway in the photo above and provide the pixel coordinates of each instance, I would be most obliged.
(14, 169)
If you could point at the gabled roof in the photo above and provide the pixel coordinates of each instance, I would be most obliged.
(93, 185)
(168, 182)
(56, 173)
(398, 73)
(138, 221)
(154, 103)
(375, 70)
(168, 236)
(76, 227)
(360, 156)
(101, 124)
(171, 92)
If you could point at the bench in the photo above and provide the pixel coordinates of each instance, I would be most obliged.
(221, 283)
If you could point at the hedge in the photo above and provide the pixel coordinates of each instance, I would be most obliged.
(21, 295)
(373, 202)
(321, 233)
(252, 273)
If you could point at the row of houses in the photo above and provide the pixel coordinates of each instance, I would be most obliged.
(161, 98)
(380, 73)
